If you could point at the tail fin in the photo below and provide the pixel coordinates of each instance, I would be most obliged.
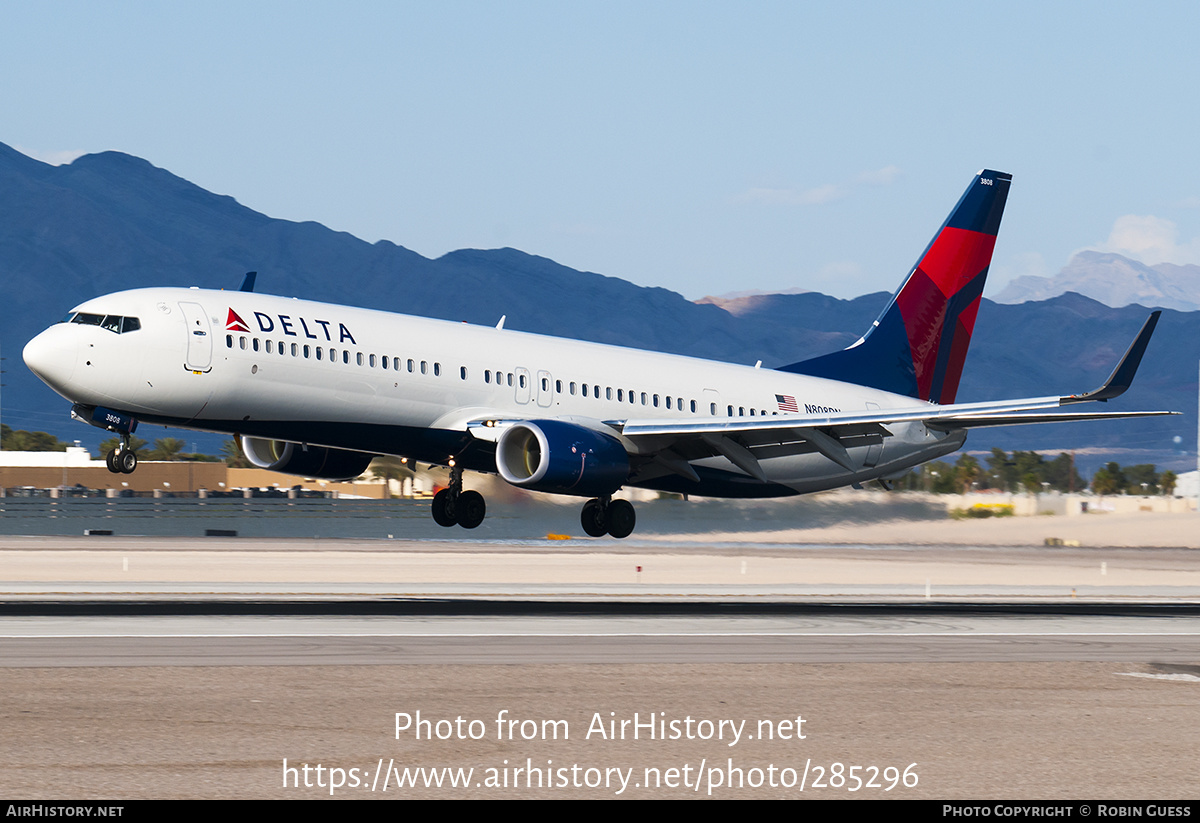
(918, 345)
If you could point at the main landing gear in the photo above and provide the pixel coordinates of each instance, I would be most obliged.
(603, 515)
(122, 459)
(453, 506)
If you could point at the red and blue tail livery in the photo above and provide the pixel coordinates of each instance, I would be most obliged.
(918, 345)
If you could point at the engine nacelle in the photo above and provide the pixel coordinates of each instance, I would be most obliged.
(306, 461)
(560, 457)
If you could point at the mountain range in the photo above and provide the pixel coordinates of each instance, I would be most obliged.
(1114, 280)
(111, 221)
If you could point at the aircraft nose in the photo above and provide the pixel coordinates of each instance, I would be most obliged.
(52, 358)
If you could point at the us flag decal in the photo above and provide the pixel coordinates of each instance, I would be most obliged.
(786, 402)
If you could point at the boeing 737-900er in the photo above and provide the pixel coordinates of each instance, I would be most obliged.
(318, 390)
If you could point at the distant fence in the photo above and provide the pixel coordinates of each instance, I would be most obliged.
(80, 492)
(265, 515)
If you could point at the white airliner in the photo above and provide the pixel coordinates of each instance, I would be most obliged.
(317, 390)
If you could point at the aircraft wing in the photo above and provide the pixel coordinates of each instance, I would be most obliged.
(832, 434)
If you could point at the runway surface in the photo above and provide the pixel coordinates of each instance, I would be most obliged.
(197, 668)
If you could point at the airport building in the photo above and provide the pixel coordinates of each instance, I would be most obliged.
(75, 473)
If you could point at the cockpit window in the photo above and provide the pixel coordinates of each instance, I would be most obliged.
(113, 322)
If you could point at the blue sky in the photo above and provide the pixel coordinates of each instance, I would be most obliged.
(703, 147)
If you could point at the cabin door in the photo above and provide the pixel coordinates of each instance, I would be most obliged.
(199, 338)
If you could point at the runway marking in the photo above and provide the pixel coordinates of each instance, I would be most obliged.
(617, 634)
(1189, 678)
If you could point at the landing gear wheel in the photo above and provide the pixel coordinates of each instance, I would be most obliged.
(471, 509)
(444, 508)
(621, 518)
(594, 518)
(126, 461)
(110, 460)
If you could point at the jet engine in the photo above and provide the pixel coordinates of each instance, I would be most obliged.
(560, 457)
(306, 461)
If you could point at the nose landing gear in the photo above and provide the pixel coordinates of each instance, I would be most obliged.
(122, 459)
(603, 515)
(453, 506)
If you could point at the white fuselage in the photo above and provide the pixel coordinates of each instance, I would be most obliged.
(363, 380)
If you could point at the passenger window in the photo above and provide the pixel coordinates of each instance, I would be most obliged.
(305, 351)
(358, 357)
(242, 343)
(229, 341)
(295, 350)
(268, 345)
(462, 372)
(424, 367)
(254, 344)
(372, 360)
(318, 352)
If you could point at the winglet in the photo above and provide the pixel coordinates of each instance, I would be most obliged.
(248, 281)
(1122, 377)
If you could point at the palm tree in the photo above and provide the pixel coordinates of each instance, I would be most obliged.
(1167, 482)
(167, 448)
(231, 453)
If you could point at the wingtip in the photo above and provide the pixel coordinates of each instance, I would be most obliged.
(1122, 376)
